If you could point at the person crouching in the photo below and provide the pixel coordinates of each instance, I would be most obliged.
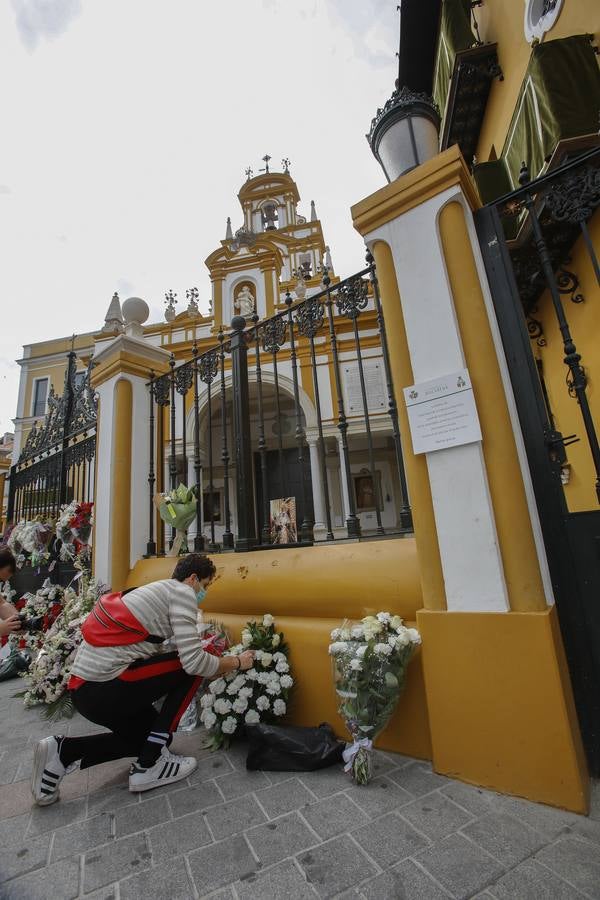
(119, 673)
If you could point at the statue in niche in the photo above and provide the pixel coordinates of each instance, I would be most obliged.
(244, 302)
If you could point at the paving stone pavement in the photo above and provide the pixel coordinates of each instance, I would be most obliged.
(233, 835)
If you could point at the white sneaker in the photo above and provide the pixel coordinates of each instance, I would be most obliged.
(48, 771)
(167, 769)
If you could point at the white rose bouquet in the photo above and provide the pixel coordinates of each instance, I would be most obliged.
(259, 694)
(370, 659)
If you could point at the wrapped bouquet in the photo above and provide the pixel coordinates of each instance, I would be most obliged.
(370, 659)
(215, 640)
(260, 694)
(30, 542)
(50, 670)
(39, 611)
(74, 529)
(177, 508)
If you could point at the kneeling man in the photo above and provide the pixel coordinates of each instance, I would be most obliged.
(118, 675)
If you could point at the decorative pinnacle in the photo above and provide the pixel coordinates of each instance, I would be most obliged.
(286, 163)
(248, 173)
(170, 298)
(266, 158)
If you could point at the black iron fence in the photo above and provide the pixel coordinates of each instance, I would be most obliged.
(541, 250)
(288, 427)
(57, 462)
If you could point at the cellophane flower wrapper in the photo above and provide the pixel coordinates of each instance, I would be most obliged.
(260, 694)
(177, 509)
(74, 530)
(370, 660)
(29, 541)
(215, 641)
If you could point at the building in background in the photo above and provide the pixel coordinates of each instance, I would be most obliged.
(486, 242)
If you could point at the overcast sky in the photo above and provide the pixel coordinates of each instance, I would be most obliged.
(127, 127)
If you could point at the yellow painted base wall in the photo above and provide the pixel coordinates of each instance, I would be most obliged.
(310, 591)
(500, 706)
(488, 698)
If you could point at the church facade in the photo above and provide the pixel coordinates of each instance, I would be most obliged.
(483, 265)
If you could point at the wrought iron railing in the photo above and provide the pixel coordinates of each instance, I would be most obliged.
(57, 462)
(544, 219)
(294, 369)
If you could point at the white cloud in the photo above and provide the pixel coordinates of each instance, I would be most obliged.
(131, 134)
(43, 18)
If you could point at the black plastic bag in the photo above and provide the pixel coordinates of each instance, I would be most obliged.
(292, 749)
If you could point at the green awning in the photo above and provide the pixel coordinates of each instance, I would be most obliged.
(559, 99)
(455, 34)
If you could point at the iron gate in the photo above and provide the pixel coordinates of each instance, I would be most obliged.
(529, 240)
(57, 462)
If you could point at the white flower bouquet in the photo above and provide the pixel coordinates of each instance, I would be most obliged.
(177, 509)
(370, 659)
(29, 542)
(260, 694)
(50, 670)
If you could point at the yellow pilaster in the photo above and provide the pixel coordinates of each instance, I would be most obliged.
(269, 292)
(121, 485)
(517, 546)
(217, 302)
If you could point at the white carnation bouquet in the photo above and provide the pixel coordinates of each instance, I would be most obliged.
(370, 659)
(49, 672)
(259, 694)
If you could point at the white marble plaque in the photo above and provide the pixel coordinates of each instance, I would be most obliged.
(442, 413)
(375, 389)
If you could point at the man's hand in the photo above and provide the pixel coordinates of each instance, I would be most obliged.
(246, 659)
(10, 625)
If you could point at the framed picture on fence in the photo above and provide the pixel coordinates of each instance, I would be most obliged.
(212, 507)
(283, 521)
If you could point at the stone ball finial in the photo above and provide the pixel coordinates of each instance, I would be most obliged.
(135, 311)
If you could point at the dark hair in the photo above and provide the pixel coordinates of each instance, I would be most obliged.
(194, 564)
(7, 559)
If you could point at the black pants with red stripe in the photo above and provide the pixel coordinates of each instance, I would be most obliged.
(125, 705)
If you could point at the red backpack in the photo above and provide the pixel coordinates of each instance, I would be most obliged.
(112, 624)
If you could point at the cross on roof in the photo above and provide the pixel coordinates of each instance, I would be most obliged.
(266, 159)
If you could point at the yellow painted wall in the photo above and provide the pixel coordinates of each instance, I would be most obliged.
(584, 322)
(310, 591)
(500, 704)
(501, 21)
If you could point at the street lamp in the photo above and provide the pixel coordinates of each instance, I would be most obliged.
(405, 132)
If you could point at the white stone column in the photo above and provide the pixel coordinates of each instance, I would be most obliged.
(130, 359)
(317, 484)
(344, 486)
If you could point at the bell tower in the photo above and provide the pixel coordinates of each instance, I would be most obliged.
(275, 250)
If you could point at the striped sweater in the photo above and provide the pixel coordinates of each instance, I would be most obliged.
(165, 608)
